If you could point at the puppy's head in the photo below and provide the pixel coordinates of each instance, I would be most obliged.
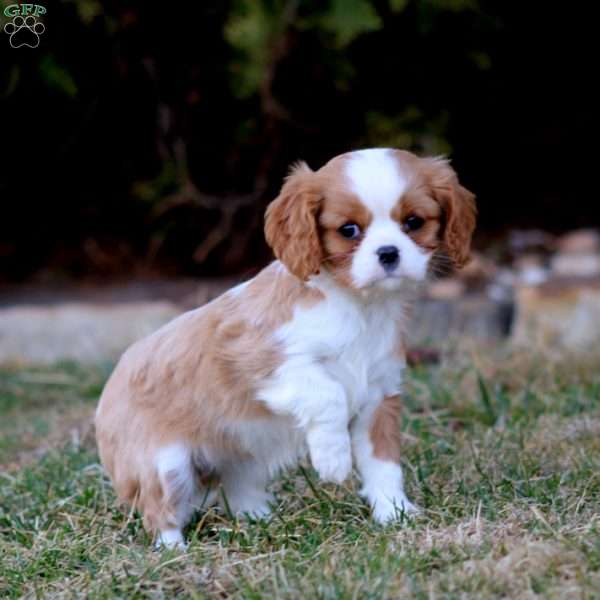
(371, 218)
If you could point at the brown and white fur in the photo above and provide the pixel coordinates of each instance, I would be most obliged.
(306, 357)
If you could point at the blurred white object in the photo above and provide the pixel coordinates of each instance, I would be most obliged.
(580, 241)
(530, 269)
(498, 292)
(533, 275)
(575, 265)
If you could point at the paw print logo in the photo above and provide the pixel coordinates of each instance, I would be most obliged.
(24, 31)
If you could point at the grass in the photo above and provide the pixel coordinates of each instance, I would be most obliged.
(502, 451)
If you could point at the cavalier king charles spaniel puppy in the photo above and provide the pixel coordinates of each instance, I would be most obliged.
(305, 358)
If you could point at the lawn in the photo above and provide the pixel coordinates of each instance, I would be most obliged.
(501, 450)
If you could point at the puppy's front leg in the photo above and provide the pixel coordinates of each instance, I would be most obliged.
(376, 445)
(319, 406)
(330, 450)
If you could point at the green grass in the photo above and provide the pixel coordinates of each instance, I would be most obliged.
(501, 450)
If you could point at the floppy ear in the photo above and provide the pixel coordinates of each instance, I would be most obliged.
(291, 223)
(458, 206)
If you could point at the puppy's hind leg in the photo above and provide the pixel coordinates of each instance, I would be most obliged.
(179, 487)
(244, 488)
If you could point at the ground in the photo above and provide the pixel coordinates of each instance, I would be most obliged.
(501, 450)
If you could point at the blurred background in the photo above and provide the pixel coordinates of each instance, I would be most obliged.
(142, 141)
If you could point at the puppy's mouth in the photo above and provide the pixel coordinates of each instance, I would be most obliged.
(394, 281)
(390, 282)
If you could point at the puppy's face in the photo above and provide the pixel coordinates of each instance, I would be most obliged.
(371, 218)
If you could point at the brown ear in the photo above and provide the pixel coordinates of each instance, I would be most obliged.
(458, 205)
(291, 223)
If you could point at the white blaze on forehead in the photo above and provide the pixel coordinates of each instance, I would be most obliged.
(375, 178)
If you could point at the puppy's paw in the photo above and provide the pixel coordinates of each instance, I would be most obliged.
(387, 509)
(171, 539)
(258, 511)
(255, 506)
(332, 462)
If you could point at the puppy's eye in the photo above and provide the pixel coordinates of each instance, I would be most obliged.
(350, 231)
(413, 223)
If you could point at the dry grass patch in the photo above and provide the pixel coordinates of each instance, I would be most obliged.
(501, 452)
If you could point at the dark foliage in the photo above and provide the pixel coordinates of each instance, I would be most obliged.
(150, 136)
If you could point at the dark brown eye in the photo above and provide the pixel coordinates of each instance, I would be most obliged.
(413, 223)
(349, 230)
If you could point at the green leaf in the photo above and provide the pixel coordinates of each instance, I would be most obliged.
(56, 76)
(347, 19)
(250, 30)
(486, 400)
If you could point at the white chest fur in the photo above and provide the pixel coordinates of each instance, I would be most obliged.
(340, 356)
(354, 341)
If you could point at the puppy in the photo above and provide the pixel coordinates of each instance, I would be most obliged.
(306, 357)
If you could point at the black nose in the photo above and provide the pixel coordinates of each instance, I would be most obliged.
(388, 257)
